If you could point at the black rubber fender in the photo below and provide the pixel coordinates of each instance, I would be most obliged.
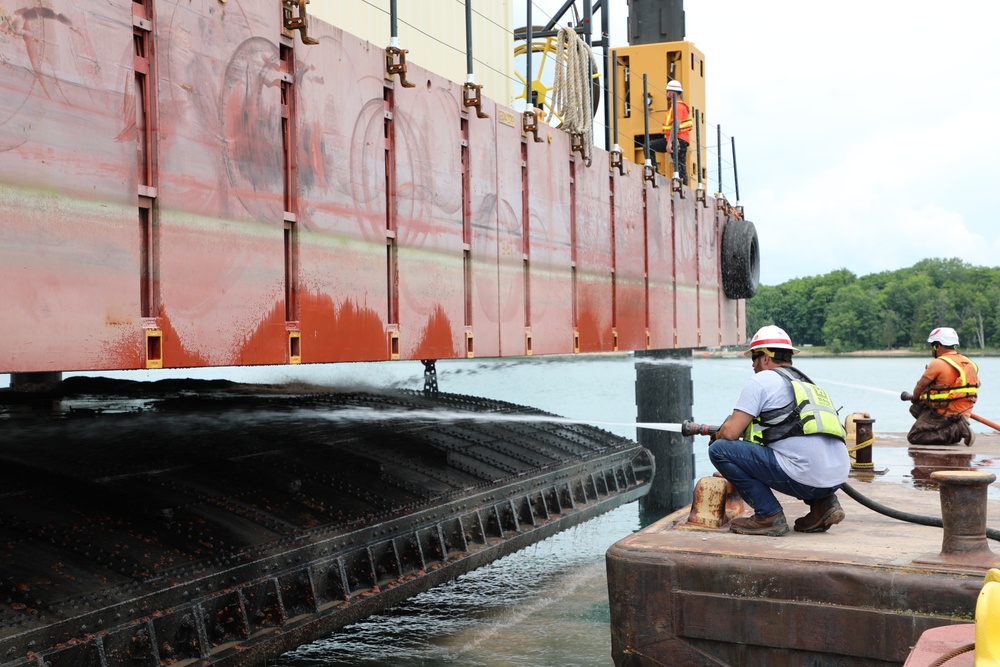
(740, 259)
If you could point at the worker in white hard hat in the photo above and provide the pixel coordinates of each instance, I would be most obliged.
(784, 434)
(944, 395)
(685, 123)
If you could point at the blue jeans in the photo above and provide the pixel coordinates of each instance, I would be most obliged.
(754, 471)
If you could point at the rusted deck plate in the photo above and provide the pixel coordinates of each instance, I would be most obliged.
(856, 595)
(223, 523)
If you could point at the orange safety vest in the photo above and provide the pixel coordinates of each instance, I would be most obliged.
(684, 129)
(957, 396)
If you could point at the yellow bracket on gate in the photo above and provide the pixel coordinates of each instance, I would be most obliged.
(294, 346)
(154, 348)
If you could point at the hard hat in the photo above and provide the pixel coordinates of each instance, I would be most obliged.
(674, 86)
(945, 336)
(771, 337)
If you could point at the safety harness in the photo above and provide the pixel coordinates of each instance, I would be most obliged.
(810, 412)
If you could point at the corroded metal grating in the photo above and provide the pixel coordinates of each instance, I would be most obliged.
(202, 524)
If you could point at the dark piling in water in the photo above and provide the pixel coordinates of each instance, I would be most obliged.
(664, 393)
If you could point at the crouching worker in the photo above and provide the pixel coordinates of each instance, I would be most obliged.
(784, 434)
(944, 395)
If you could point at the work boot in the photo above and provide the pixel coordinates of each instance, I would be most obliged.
(970, 436)
(823, 513)
(774, 526)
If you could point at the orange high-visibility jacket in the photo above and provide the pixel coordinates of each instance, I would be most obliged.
(954, 384)
(684, 129)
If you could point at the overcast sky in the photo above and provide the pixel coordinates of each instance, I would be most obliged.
(867, 133)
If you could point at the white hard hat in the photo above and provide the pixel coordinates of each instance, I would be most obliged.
(944, 335)
(771, 337)
(674, 86)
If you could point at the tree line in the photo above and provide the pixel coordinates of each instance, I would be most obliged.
(888, 310)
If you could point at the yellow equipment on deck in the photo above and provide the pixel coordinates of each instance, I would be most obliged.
(660, 62)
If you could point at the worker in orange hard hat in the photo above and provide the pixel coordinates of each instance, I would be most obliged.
(944, 395)
(685, 123)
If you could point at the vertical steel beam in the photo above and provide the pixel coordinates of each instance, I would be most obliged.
(146, 123)
(290, 196)
(392, 276)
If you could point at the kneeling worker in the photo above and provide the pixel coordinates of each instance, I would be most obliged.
(792, 441)
(944, 395)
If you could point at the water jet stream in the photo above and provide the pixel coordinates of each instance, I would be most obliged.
(453, 416)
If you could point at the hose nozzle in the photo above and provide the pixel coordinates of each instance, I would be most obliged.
(906, 396)
(689, 427)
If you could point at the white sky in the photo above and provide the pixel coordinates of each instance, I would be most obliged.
(867, 132)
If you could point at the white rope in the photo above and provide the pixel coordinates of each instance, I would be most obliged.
(571, 90)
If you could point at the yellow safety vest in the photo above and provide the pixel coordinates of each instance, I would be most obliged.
(811, 412)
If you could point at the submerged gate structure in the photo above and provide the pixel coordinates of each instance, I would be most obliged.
(220, 523)
(230, 183)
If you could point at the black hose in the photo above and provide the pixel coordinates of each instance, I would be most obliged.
(991, 533)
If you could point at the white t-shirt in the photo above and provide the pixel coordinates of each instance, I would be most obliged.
(816, 460)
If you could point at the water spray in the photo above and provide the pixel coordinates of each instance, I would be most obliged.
(454, 416)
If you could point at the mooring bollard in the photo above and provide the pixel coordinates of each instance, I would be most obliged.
(865, 438)
(963, 513)
(860, 438)
(716, 502)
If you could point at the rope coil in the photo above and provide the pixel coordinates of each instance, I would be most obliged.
(861, 445)
(571, 90)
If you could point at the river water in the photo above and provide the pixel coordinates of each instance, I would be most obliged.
(547, 606)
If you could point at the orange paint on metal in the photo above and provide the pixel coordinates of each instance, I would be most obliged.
(174, 353)
(346, 333)
(268, 344)
(437, 340)
(594, 325)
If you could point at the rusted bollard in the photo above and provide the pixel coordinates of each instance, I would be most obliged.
(864, 439)
(716, 502)
(963, 513)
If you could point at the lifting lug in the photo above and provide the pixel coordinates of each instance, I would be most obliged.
(472, 98)
(616, 160)
(529, 123)
(392, 66)
(298, 21)
(576, 146)
(649, 172)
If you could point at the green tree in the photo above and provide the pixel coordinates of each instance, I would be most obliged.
(854, 317)
(889, 309)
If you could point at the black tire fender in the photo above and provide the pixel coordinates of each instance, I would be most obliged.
(740, 259)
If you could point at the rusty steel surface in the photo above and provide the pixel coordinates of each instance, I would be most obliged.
(188, 185)
(860, 594)
(225, 523)
(631, 238)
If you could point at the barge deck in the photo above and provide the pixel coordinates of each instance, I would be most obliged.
(860, 594)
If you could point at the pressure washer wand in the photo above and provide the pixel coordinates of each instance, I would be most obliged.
(907, 396)
(689, 427)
